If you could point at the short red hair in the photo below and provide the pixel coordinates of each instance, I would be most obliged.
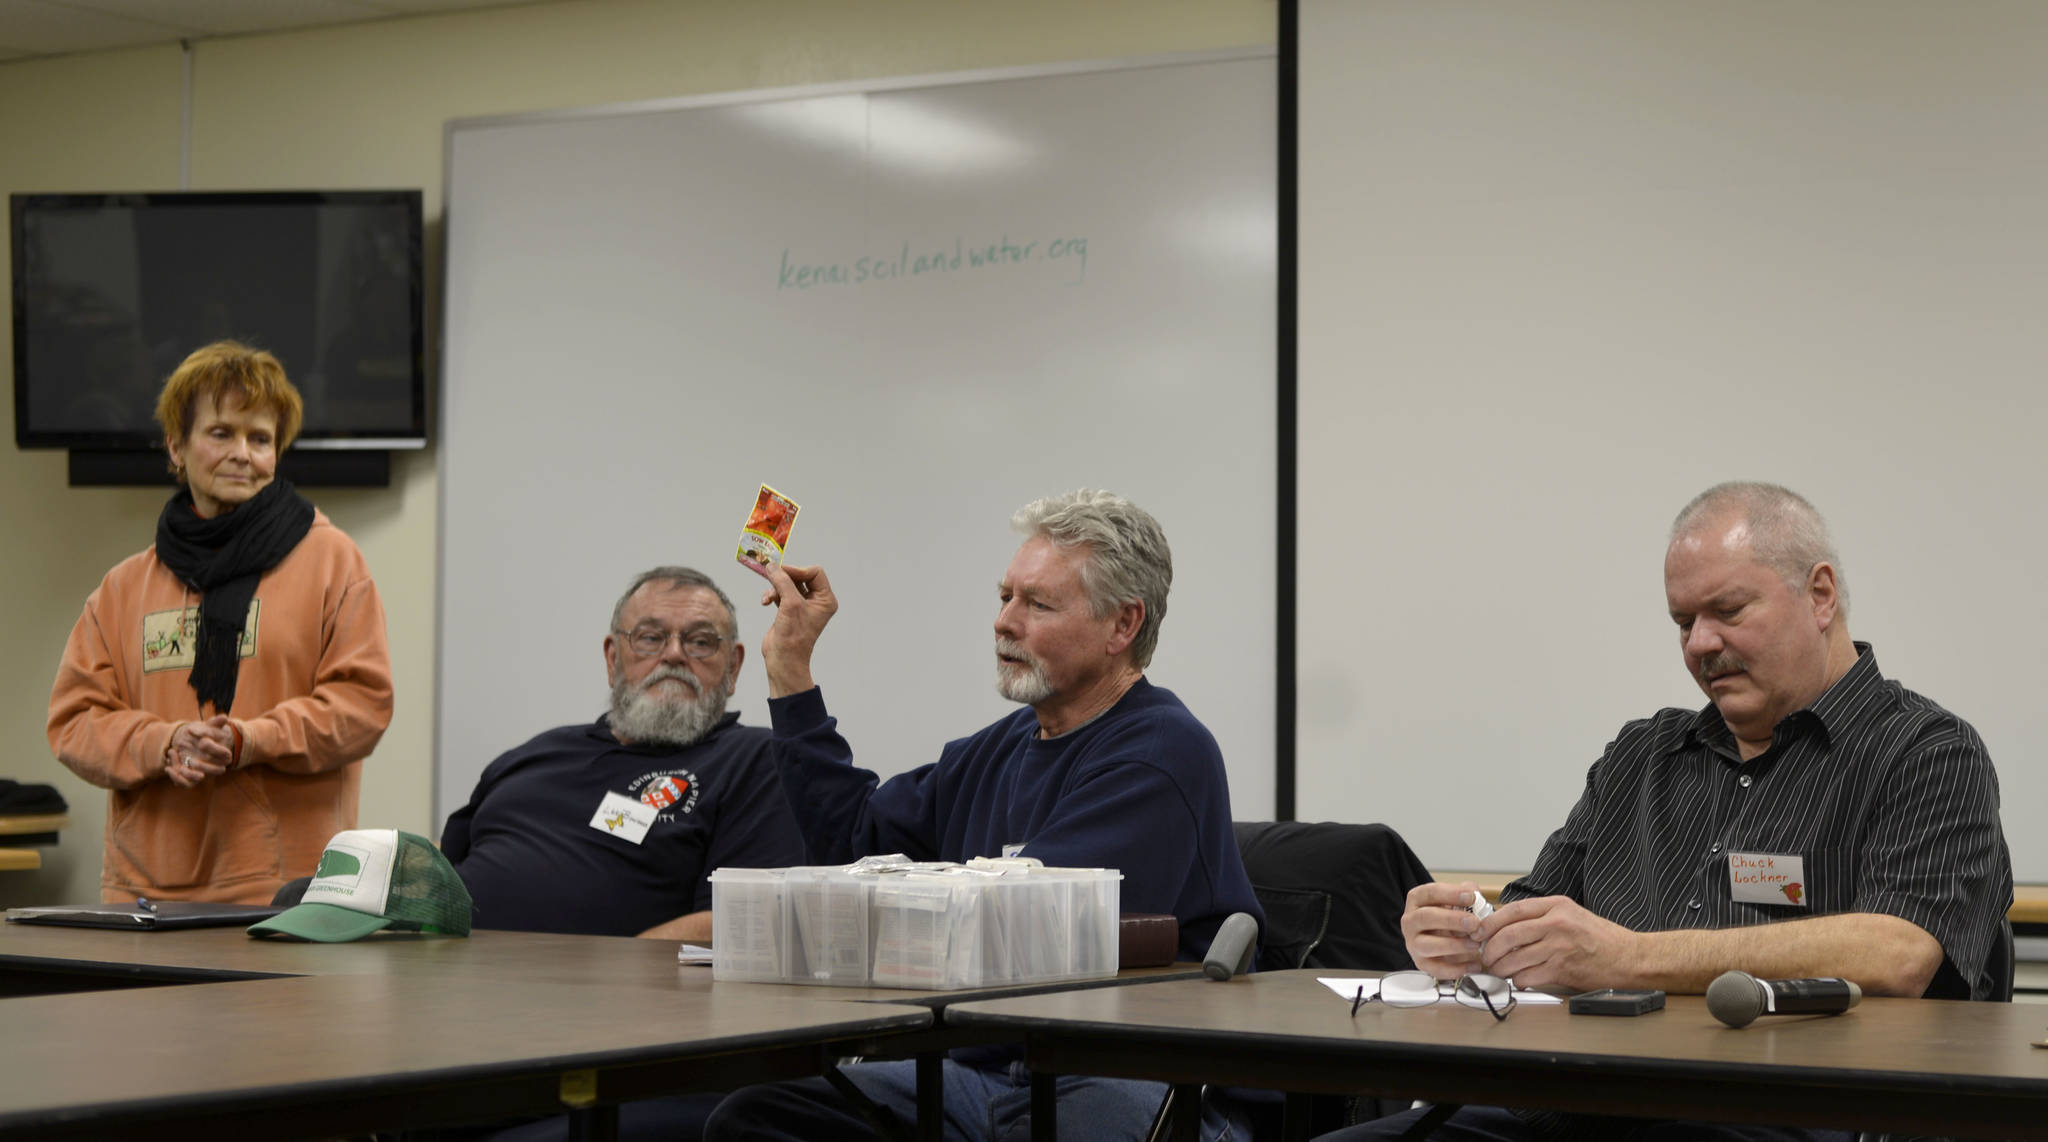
(227, 368)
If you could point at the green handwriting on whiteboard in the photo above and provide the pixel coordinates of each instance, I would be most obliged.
(960, 257)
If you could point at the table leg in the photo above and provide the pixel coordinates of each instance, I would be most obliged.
(1187, 1112)
(1045, 1120)
(594, 1124)
(1297, 1117)
(931, 1092)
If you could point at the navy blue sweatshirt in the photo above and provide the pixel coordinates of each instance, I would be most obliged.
(533, 862)
(1140, 789)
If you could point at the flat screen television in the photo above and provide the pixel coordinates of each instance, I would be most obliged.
(111, 291)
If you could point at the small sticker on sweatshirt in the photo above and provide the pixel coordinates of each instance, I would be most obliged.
(168, 637)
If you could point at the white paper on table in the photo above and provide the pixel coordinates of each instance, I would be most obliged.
(693, 954)
(1350, 989)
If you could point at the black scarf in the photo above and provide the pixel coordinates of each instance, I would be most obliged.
(222, 558)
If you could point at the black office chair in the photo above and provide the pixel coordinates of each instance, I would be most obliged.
(1333, 893)
(2001, 964)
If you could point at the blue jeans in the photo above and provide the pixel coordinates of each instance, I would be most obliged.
(981, 1104)
(1492, 1124)
(677, 1118)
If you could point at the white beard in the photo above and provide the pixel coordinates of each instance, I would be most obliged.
(641, 716)
(1028, 683)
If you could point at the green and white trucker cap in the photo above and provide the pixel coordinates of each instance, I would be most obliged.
(373, 879)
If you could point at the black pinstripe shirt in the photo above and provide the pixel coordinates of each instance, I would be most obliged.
(1890, 800)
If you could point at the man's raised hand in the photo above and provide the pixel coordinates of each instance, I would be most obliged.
(804, 603)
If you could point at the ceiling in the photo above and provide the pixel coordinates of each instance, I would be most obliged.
(31, 29)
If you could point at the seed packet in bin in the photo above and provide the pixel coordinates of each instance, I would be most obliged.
(766, 534)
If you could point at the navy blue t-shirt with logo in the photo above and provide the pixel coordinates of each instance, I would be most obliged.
(534, 861)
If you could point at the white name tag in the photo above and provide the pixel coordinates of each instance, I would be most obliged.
(1012, 849)
(623, 817)
(1768, 878)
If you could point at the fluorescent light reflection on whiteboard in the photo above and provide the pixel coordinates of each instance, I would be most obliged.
(899, 133)
(1240, 237)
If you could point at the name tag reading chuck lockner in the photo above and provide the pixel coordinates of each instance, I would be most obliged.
(1767, 878)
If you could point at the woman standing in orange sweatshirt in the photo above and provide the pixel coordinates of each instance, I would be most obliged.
(225, 684)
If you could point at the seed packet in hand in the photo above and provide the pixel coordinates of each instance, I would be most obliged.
(766, 533)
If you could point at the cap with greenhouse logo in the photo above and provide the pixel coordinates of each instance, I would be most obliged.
(373, 879)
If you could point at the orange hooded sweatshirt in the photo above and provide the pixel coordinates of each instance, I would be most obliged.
(312, 697)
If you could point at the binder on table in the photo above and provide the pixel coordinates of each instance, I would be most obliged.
(161, 915)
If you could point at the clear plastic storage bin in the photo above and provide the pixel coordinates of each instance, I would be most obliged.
(891, 922)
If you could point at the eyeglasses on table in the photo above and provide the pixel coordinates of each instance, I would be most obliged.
(1489, 993)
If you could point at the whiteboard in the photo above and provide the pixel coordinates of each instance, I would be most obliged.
(912, 307)
(1563, 266)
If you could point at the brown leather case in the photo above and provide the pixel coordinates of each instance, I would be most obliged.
(1146, 940)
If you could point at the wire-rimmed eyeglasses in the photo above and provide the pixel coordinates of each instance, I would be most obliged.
(649, 641)
(1489, 993)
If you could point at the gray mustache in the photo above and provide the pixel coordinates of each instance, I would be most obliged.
(661, 673)
(1721, 663)
(1010, 649)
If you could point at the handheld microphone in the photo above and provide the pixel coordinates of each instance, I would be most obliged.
(1230, 953)
(1737, 997)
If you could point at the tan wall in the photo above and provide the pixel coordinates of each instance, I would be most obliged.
(363, 106)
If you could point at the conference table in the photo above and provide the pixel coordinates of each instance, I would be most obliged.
(1903, 1065)
(128, 1033)
(112, 1033)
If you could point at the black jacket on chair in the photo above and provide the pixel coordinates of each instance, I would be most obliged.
(1333, 893)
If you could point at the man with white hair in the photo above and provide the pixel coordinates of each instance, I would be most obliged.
(1813, 819)
(1101, 769)
(612, 828)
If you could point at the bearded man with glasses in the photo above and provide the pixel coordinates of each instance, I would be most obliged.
(612, 828)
